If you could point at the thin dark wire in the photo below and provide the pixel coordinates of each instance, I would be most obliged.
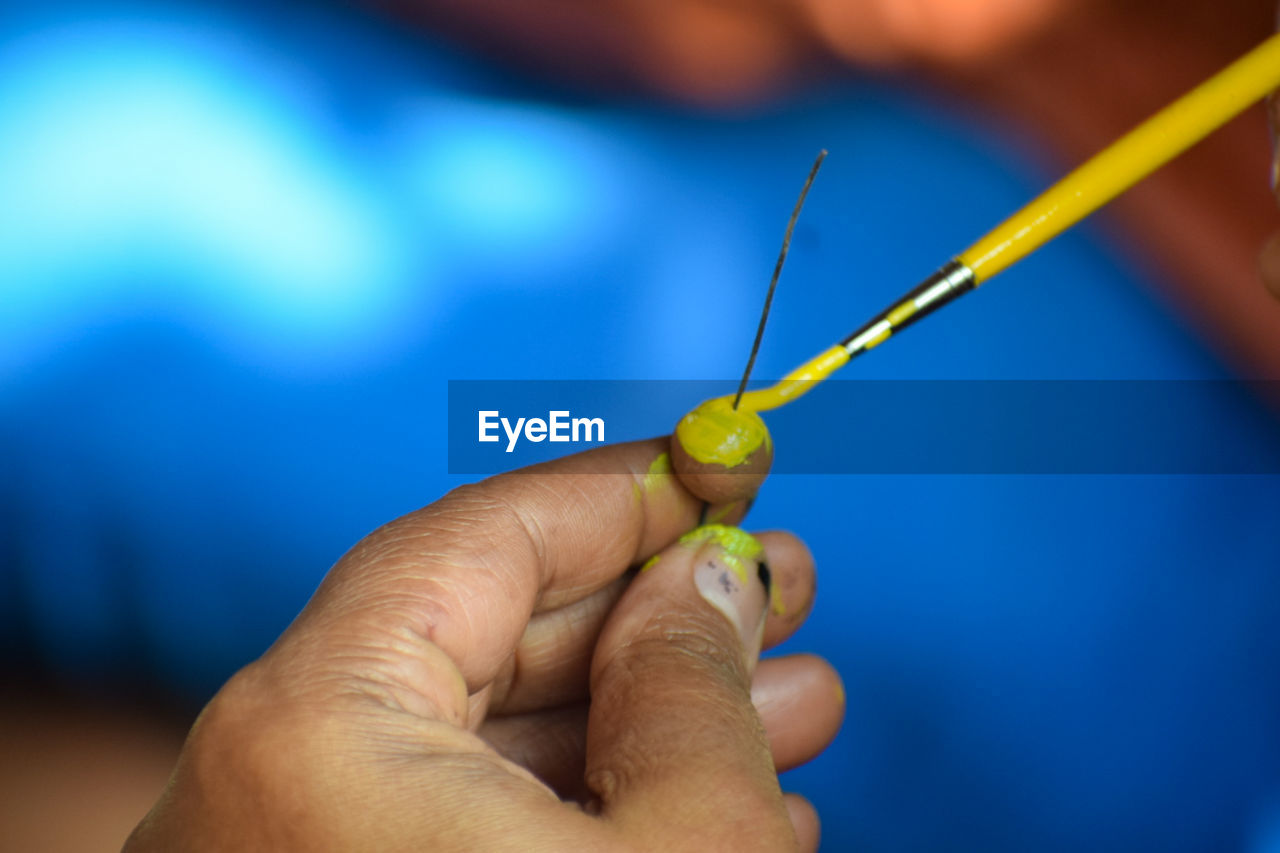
(777, 271)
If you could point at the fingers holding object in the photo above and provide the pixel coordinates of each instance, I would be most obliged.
(550, 665)
(428, 608)
(721, 453)
(459, 579)
(674, 745)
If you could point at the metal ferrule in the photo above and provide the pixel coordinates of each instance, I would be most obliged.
(945, 285)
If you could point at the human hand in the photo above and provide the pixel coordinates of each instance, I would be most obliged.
(486, 674)
(893, 31)
(718, 51)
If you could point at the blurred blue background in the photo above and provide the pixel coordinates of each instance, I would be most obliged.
(244, 246)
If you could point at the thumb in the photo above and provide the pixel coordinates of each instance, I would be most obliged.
(676, 753)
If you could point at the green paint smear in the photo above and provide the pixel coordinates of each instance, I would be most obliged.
(658, 471)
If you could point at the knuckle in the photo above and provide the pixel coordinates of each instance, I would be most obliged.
(238, 728)
(655, 665)
(675, 654)
(265, 742)
(472, 520)
(697, 639)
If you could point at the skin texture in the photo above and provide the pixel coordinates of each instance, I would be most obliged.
(486, 674)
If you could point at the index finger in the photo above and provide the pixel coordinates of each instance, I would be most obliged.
(434, 602)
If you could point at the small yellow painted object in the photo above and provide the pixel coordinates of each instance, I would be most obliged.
(738, 545)
(717, 434)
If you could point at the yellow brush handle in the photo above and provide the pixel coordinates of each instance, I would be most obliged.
(1143, 150)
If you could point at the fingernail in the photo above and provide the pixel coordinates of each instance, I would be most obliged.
(731, 576)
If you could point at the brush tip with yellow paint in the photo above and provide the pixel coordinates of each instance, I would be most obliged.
(721, 453)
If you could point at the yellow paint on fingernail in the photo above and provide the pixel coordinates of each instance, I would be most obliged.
(840, 697)
(737, 544)
(717, 433)
(734, 540)
(659, 470)
(650, 563)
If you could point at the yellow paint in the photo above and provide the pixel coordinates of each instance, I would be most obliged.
(776, 604)
(737, 544)
(1130, 159)
(902, 312)
(720, 514)
(650, 563)
(840, 696)
(797, 382)
(1134, 156)
(659, 471)
(716, 433)
(734, 540)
